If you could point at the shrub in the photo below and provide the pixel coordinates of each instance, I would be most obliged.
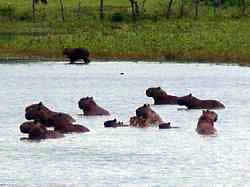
(117, 17)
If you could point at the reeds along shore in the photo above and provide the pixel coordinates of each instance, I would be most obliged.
(219, 34)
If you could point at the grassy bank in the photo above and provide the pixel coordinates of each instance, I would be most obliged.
(223, 36)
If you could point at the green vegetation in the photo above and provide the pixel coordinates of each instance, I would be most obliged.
(216, 34)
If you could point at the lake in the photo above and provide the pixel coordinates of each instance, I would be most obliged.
(125, 156)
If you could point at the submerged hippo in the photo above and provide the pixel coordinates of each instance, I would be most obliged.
(145, 117)
(75, 54)
(41, 113)
(90, 108)
(161, 97)
(62, 125)
(192, 102)
(206, 122)
(114, 123)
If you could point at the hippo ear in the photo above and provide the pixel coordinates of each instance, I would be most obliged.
(159, 88)
(190, 94)
(148, 105)
(145, 105)
(203, 111)
(40, 104)
(115, 120)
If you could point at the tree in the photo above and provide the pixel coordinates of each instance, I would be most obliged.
(34, 2)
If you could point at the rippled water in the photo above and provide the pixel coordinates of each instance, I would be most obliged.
(125, 156)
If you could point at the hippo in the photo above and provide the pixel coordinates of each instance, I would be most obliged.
(42, 114)
(206, 123)
(38, 132)
(62, 125)
(192, 102)
(145, 117)
(90, 108)
(75, 54)
(114, 123)
(161, 97)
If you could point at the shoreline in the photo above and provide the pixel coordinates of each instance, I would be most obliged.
(215, 61)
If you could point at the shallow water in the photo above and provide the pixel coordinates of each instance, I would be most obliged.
(125, 156)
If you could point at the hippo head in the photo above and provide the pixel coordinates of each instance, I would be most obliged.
(210, 115)
(185, 100)
(35, 111)
(155, 92)
(144, 111)
(37, 132)
(86, 102)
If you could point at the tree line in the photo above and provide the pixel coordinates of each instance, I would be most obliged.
(137, 7)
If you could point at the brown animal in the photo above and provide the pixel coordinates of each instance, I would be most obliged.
(166, 126)
(139, 122)
(145, 117)
(75, 54)
(161, 97)
(62, 125)
(38, 132)
(114, 123)
(192, 102)
(90, 108)
(41, 113)
(27, 126)
(206, 123)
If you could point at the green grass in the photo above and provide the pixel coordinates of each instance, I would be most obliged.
(222, 36)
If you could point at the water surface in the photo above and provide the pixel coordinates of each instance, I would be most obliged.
(125, 156)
